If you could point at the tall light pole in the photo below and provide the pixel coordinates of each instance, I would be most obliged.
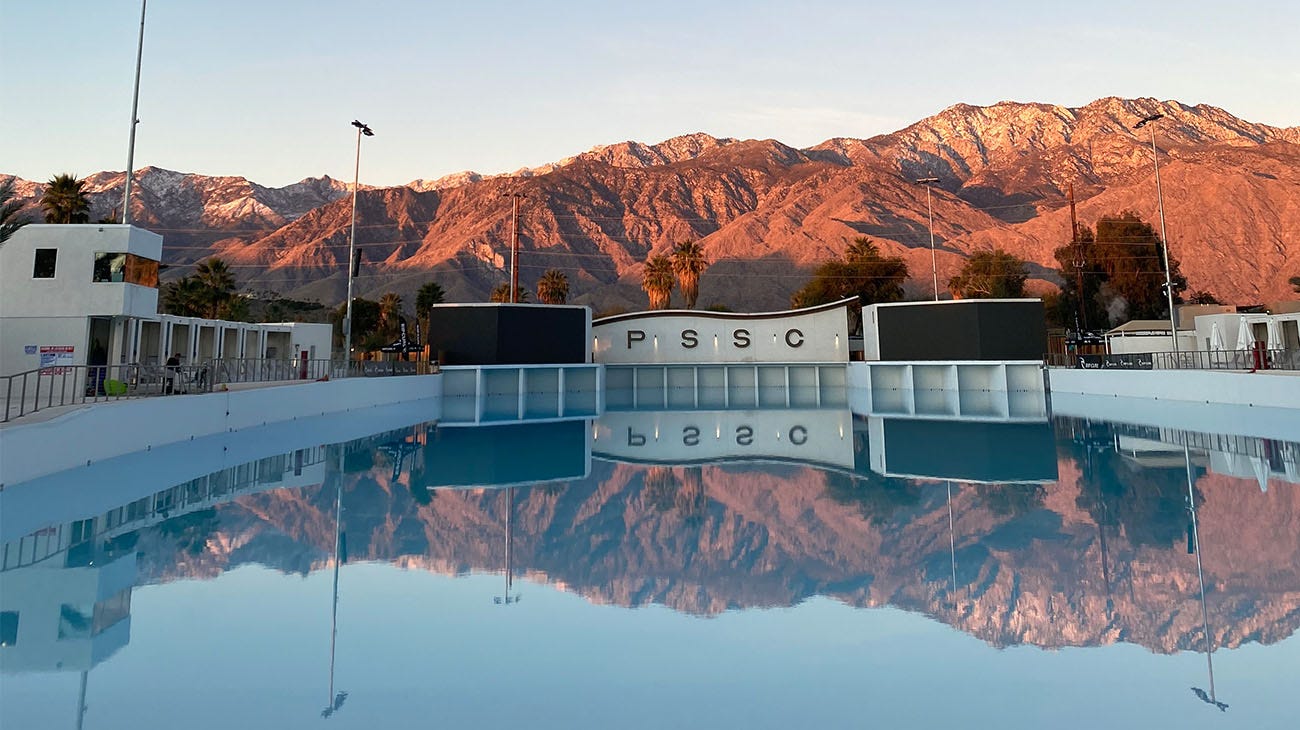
(135, 105)
(352, 240)
(1164, 237)
(929, 205)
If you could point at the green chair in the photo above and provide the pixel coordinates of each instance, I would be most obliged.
(114, 388)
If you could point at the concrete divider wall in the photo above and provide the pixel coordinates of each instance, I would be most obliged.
(107, 430)
(1196, 386)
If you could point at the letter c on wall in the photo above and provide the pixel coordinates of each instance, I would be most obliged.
(790, 336)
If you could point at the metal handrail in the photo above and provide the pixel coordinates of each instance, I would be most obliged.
(1237, 360)
(65, 385)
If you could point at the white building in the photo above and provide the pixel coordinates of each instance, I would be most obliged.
(87, 294)
(1242, 331)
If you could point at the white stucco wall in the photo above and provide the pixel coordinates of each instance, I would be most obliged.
(679, 336)
(72, 291)
(1270, 389)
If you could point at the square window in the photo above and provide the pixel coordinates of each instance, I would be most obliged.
(43, 268)
(8, 628)
(109, 266)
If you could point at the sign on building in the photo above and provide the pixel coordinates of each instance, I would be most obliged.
(815, 334)
(56, 359)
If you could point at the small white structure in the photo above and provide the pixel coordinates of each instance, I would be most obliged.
(88, 295)
(1146, 335)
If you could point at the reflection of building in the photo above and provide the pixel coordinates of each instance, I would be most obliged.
(517, 454)
(65, 589)
(65, 615)
(967, 451)
(813, 436)
(1236, 456)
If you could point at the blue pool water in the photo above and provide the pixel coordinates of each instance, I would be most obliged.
(793, 567)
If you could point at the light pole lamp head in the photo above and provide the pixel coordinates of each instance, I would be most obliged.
(1146, 120)
(928, 181)
(365, 129)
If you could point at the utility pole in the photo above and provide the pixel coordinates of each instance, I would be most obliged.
(135, 106)
(1077, 247)
(934, 264)
(514, 247)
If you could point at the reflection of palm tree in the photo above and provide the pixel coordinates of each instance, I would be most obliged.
(660, 488)
(658, 281)
(688, 264)
(553, 287)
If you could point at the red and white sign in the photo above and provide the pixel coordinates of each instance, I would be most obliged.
(56, 359)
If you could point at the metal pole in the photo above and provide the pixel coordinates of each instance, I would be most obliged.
(135, 105)
(1200, 574)
(514, 249)
(934, 265)
(352, 244)
(1164, 243)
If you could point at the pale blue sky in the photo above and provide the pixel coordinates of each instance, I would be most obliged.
(267, 89)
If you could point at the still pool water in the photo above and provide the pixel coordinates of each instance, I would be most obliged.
(748, 569)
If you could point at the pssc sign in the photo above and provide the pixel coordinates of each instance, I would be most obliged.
(815, 334)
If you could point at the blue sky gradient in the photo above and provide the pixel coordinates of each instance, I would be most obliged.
(267, 89)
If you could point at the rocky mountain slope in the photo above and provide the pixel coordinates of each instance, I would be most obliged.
(766, 213)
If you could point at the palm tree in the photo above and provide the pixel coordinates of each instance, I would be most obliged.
(185, 297)
(657, 281)
(390, 311)
(65, 201)
(501, 294)
(9, 220)
(689, 263)
(428, 295)
(553, 287)
(217, 283)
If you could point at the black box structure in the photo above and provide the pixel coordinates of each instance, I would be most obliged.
(507, 455)
(972, 451)
(965, 329)
(509, 334)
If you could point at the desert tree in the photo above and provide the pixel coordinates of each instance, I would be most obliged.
(10, 221)
(992, 274)
(65, 200)
(657, 280)
(689, 264)
(553, 287)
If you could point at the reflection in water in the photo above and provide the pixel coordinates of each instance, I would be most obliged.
(1076, 541)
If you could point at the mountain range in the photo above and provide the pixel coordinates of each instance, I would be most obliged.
(1071, 565)
(766, 213)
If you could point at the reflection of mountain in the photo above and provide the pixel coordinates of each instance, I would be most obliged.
(1032, 563)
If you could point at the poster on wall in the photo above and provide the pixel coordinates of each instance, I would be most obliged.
(56, 359)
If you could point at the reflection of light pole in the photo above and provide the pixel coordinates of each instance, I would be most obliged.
(352, 240)
(135, 105)
(952, 546)
(335, 701)
(934, 265)
(1200, 577)
(1164, 236)
(508, 599)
